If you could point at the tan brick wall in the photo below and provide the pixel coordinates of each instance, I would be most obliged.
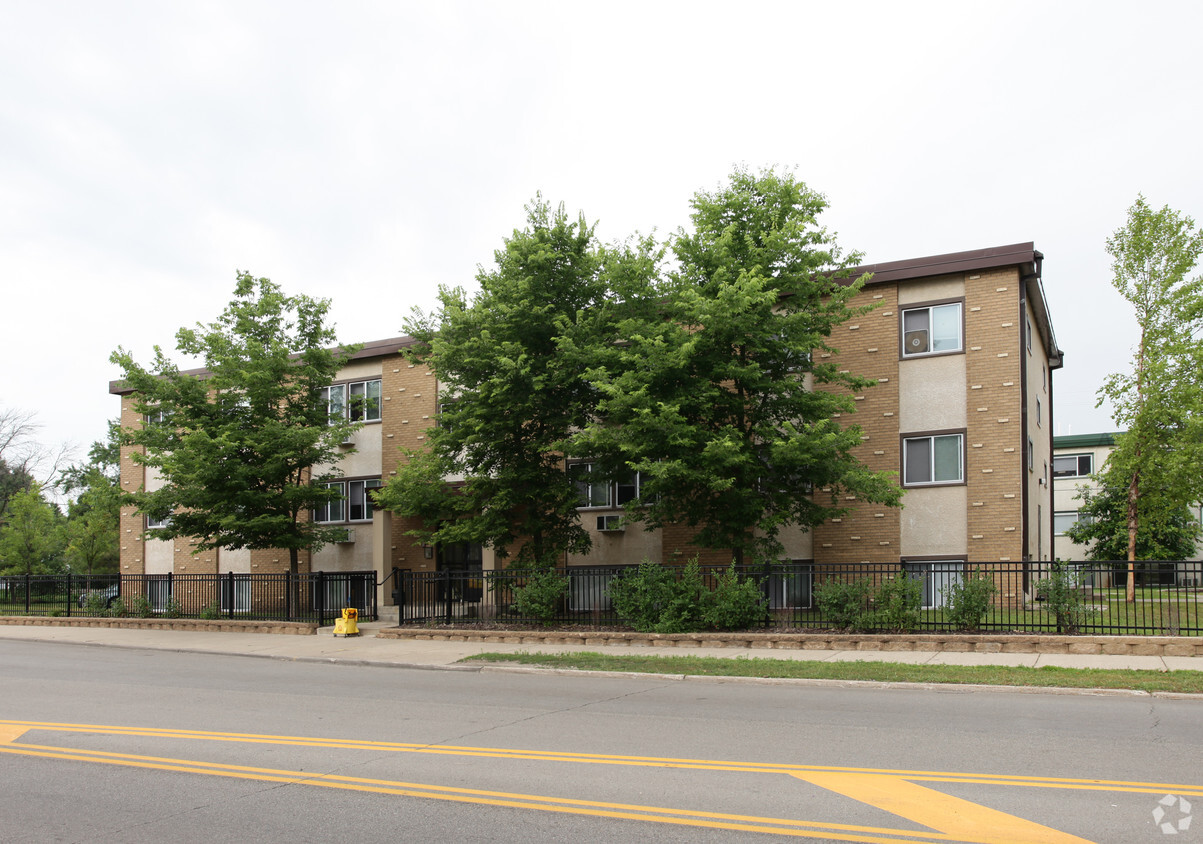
(409, 395)
(133, 475)
(995, 465)
(676, 548)
(868, 346)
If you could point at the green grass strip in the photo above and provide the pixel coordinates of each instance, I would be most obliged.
(1190, 682)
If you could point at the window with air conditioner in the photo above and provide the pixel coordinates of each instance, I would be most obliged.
(931, 330)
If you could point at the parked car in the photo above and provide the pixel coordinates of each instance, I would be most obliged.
(108, 595)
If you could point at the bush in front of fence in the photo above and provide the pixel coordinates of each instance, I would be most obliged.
(1064, 594)
(892, 605)
(654, 599)
(969, 599)
(541, 595)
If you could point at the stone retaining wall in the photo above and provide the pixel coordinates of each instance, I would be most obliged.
(219, 625)
(979, 643)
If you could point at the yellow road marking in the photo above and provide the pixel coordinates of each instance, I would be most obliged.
(594, 808)
(1182, 789)
(957, 818)
(11, 732)
(894, 791)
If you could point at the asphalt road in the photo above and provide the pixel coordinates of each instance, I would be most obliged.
(115, 745)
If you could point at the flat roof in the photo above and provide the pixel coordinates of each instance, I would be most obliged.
(1085, 440)
(372, 349)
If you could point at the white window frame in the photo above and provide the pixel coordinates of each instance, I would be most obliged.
(354, 493)
(358, 401)
(937, 576)
(242, 593)
(930, 439)
(158, 592)
(1060, 515)
(1077, 458)
(605, 495)
(152, 523)
(928, 315)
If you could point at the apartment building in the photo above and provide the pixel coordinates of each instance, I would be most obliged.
(1076, 458)
(962, 348)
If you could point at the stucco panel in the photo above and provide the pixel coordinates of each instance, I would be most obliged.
(931, 394)
(933, 521)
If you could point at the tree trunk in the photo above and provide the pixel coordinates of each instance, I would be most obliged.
(1133, 498)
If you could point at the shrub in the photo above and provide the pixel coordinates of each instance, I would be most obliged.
(687, 598)
(1064, 597)
(639, 595)
(211, 612)
(173, 609)
(541, 595)
(967, 600)
(844, 603)
(140, 607)
(118, 609)
(736, 603)
(896, 604)
(653, 598)
(95, 604)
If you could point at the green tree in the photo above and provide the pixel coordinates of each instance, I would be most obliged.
(1168, 528)
(723, 398)
(510, 398)
(91, 532)
(31, 539)
(240, 448)
(1158, 402)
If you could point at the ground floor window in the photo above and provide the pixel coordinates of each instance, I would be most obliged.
(236, 593)
(158, 592)
(937, 576)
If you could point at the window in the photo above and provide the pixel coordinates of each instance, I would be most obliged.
(358, 401)
(1073, 465)
(1031, 455)
(236, 593)
(355, 505)
(599, 493)
(152, 522)
(1028, 322)
(1037, 413)
(1064, 520)
(158, 592)
(931, 330)
(156, 417)
(359, 499)
(937, 578)
(937, 459)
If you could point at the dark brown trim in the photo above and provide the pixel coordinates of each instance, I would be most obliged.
(1025, 437)
(914, 306)
(953, 262)
(374, 349)
(914, 435)
(934, 558)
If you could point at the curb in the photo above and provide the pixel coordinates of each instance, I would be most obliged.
(1159, 646)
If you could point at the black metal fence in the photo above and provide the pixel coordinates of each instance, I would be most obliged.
(313, 597)
(1031, 597)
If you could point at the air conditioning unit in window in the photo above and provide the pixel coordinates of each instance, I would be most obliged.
(610, 524)
(914, 342)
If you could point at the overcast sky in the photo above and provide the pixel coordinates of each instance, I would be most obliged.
(368, 152)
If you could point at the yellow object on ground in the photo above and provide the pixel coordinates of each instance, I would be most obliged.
(348, 625)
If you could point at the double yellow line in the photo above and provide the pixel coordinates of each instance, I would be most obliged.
(893, 790)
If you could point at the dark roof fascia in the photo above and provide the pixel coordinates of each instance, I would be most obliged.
(372, 349)
(1014, 254)
(1085, 440)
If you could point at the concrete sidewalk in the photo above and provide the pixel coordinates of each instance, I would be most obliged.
(367, 649)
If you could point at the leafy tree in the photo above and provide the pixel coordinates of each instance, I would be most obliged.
(91, 532)
(240, 449)
(31, 539)
(511, 398)
(1158, 402)
(1168, 528)
(718, 398)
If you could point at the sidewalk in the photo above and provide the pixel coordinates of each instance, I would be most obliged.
(368, 649)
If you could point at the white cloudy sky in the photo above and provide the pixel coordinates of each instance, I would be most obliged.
(369, 151)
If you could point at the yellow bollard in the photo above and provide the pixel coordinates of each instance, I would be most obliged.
(348, 625)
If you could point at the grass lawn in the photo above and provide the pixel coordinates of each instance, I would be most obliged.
(993, 675)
